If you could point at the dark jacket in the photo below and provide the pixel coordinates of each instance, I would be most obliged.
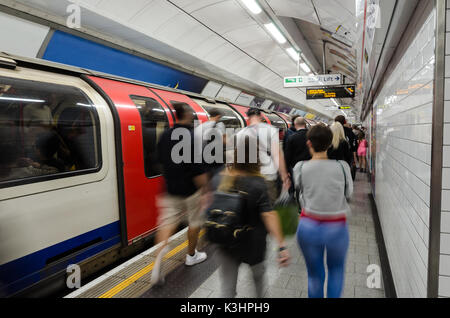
(296, 149)
(288, 133)
(179, 177)
(351, 139)
(343, 152)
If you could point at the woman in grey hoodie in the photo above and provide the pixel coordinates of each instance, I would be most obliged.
(323, 187)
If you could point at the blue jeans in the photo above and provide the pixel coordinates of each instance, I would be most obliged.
(313, 238)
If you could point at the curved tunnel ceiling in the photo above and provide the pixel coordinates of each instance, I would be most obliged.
(220, 38)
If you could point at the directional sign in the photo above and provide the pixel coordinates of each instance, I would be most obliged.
(347, 91)
(313, 80)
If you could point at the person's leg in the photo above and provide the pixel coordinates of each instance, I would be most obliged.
(162, 235)
(170, 210)
(308, 237)
(192, 234)
(337, 246)
(259, 278)
(228, 270)
(196, 221)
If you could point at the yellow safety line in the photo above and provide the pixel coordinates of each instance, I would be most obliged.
(130, 280)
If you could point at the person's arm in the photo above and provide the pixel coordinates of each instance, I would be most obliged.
(272, 223)
(348, 181)
(278, 158)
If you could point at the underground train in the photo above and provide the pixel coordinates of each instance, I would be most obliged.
(78, 177)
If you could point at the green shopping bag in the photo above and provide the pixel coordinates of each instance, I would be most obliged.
(288, 213)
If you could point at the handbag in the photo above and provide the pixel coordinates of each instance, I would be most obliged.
(288, 213)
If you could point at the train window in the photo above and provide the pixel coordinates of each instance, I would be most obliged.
(47, 131)
(154, 122)
(277, 121)
(229, 118)
(184, 104)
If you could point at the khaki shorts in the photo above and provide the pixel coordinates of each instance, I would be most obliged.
(272, 189)
(175, 209)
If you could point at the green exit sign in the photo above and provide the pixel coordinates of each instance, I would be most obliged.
(291, 80)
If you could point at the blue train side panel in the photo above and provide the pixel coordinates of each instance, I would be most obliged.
(25, 271)
(69, 49)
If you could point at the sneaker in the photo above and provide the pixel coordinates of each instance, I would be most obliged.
(197, 258)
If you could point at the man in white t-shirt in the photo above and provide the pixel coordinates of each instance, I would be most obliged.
(209, 139)
(269, 150)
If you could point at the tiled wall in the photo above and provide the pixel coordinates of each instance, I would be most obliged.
(444, 265)
(403, 162)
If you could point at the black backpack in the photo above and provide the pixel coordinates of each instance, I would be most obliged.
(225, 224)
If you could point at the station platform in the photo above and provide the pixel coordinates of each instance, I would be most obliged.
(132, 279)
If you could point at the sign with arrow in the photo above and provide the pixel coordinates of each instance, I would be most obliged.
(313, 80)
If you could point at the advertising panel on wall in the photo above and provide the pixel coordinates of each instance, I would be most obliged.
(72, 50)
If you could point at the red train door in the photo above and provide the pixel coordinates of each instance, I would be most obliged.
(143, 117)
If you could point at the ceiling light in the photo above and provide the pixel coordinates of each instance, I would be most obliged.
(253, 6)
(26, 100)
(293, 53)
(275, 33)
(305, 67)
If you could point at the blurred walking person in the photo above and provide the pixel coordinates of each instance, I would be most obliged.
(289, 132)
(324, 186)
(362, 151)
(271, 155)
(258, 216)
(340, 149)
(296, 148)
(209, 137)
(352, 141)
(185, 182)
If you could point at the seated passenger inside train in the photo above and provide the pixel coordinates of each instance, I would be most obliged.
(45, 130)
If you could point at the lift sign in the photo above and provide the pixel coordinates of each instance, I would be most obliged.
(331, 92)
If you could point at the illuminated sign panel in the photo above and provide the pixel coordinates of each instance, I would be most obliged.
(331, 92)
(313, 80)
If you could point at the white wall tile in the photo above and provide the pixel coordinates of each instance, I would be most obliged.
(444, 286)
(445, 222)
(403, 135)
(445, 243)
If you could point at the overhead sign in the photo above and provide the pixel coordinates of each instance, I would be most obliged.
(347, 91)
(344, 107)
(313, 80)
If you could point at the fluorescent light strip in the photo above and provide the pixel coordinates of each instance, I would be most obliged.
(253, 6)
(305, 67)
(13, 99)
(293, 53)
(275, 33)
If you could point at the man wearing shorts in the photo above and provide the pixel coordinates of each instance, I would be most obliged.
(185, 182)
(269, 152)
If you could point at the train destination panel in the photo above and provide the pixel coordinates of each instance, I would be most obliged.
(331, 92)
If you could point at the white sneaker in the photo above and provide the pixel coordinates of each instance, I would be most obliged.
(197, 258)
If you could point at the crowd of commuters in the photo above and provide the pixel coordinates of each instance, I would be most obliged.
(257, 178)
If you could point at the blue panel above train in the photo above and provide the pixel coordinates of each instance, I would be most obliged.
(72, 50)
